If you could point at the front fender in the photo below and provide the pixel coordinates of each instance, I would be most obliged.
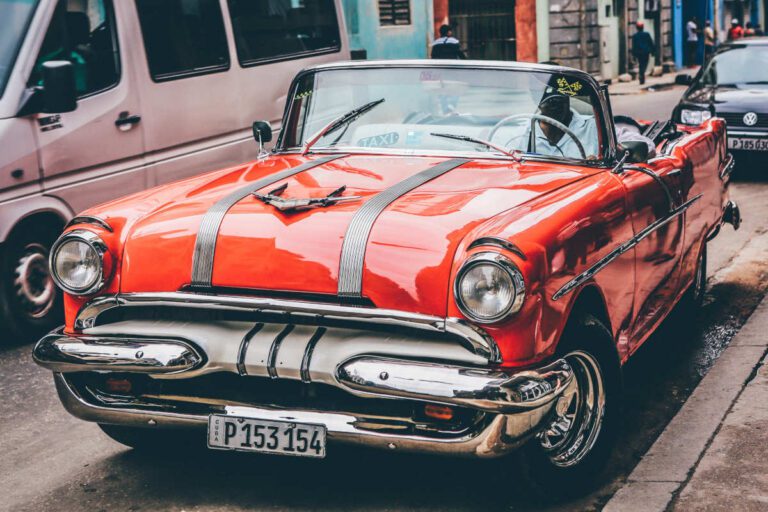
(559, 236)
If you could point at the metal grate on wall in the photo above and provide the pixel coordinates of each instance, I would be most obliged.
(394, 12)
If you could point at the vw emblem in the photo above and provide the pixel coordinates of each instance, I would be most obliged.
(750, 119)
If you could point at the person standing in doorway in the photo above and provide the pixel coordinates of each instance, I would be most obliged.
(691, 41)
(735, 32)
(709, 40)
(642, 49)
(446, 46)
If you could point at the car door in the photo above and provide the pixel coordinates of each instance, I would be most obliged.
(95, 152)
(659, 227)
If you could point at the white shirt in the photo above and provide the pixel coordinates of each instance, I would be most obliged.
(582, 126)
(691, 28)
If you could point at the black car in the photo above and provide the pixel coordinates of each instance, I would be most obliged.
(733, 85)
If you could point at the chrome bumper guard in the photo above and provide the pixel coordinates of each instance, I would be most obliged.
(395, 364)
(518, 404)
(62, 353)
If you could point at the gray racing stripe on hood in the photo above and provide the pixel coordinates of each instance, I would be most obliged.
(205, 244)
(356, 237)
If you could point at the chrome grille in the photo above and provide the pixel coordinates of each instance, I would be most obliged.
(736, 119)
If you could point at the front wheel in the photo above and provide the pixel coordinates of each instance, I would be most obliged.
(567, 457)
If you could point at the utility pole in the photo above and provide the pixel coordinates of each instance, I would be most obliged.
(583, 34)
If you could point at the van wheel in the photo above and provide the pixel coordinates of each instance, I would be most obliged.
(567, 457)
(30, 303)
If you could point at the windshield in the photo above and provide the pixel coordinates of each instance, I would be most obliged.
(541, 113)
(15, 16)
(738, 66)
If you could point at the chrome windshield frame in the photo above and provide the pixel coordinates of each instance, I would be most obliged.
(602, 107)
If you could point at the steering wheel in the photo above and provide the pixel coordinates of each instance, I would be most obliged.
(538, 117)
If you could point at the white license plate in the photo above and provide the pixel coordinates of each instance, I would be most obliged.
(747, 144)
(266, 436)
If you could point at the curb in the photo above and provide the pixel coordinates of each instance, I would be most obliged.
(666, 468)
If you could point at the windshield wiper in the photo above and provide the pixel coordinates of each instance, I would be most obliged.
(340, 121)
(465, 138)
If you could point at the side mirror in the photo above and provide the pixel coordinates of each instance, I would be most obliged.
(683, 79)
(262, 131)
(638, 151)
(59, 91)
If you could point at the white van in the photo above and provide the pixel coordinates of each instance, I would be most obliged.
(101, 98)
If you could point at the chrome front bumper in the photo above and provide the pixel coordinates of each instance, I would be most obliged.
(398, 366)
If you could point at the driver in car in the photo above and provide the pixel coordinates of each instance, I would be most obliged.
(553, 141)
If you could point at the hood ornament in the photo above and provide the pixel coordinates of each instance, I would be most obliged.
(274, 198)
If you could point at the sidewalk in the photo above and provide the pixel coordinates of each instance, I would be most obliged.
(667, 80)
(713, 455)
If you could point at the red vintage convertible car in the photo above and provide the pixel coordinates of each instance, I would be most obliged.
(442, 257)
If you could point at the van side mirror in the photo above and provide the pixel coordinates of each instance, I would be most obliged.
(683, 79)
(638, 151)
(59, 91)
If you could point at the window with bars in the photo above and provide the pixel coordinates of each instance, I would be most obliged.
(394, 12)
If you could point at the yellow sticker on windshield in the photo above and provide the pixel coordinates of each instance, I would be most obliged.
(571, 89)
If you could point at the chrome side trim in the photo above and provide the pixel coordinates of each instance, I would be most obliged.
(62, 353)
(205, 244)
(473, 337)
(477, 388)
(622, 248)
(89, 219)
(243, 350)
(495, 241)
(356, 237)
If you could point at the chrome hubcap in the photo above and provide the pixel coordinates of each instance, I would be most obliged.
(33, 283)
(573, 432)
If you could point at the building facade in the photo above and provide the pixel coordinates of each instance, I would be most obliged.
(389, 29)
(594, 35)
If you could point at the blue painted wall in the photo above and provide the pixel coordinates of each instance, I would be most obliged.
(678, 26)
(399, 42)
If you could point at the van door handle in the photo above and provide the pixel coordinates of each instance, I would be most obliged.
(125, 121)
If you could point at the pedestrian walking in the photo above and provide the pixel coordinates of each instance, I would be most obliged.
(710, 43)
(642, 49)
(691, 41)
(446, 46)
(736, 31)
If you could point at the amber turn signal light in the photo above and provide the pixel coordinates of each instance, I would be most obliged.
(439, 412)
(118, 385)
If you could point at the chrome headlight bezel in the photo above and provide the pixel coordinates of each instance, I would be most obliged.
(94, 242)
(506, 265)
(694, 116)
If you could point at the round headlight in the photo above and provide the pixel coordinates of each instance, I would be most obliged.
(489, 287)
(77, 262)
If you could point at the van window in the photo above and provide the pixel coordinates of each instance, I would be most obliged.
(280, 29)
(16, 16)
(183, 37)
(82, 32)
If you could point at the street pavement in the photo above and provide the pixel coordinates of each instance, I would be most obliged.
(52, 461)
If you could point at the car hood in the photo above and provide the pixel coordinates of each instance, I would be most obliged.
(731, 99)
(262, 250)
